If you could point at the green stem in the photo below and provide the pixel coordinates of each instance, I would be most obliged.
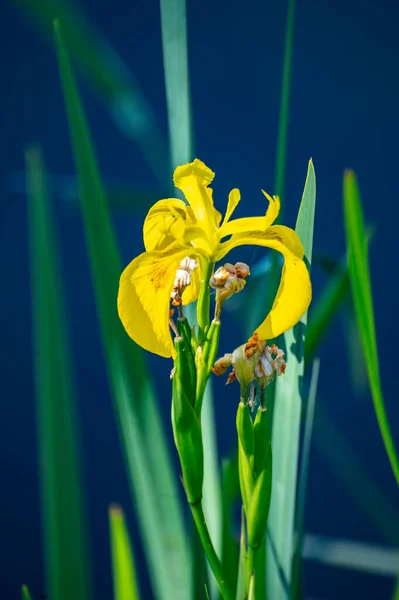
(204, 298)
(214, 562)
(249, 566)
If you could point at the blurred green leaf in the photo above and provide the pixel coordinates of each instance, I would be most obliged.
(395, 595)
(63, 515)
(241, 577)
(303, 480)
(286, 425)
(149, 466)
(123, 566)
(230, 491)
(362, 295)
(325, 307)
(106, 73)
(354, 555)
(25, 593)
(177, 84)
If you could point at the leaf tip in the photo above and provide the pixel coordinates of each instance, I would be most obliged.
(115, 511)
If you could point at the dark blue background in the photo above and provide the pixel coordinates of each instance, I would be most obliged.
(344, 113)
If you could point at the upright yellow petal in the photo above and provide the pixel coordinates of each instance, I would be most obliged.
(248, 224)
(295, 291)
(193, 180)
(234, 198)
(164, 224)
(144, 298)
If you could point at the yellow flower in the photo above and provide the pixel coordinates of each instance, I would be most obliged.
(174, 231)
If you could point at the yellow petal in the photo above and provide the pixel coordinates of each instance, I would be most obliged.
(292, 300)
(234, 198)
(252, 223)
(295, 291)
(193, 180)
(144, 298)
(164, 224)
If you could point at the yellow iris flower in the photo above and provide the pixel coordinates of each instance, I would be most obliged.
(173, 231)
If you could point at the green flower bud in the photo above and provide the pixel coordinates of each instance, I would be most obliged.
(185, 368)
(261, 432)
(204, 359)
(186, 426)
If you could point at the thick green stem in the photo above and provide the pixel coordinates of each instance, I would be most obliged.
(249, 566)
(214, 562)
(204, 298)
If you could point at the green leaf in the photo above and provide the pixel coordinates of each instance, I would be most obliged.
(353, 555)
(359, 272)
(123, 566)
(105, 71)
(241, 577)
(286, 425)
(230, 491)
(25, 593)
(325, 307)
(149, 465)
(177, 85)
(303, 479)
(63, 515)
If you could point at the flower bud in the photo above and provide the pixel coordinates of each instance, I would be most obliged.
(186, 427)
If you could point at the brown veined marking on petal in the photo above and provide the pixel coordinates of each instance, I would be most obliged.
(158, 277)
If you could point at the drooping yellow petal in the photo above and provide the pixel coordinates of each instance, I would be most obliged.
(234, 198)
(295, 291)
(164, 224)
(246, 224)
(144, 298)
(193, 180)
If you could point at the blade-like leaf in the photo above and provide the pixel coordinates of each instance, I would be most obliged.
(63, 516)
(123, 566)
(241, 577)
(303, 479)
(149, 465)
(177, 85)
(286, 425)
(359, 272)
(230, 492)
(106, 73)
(25, 593)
